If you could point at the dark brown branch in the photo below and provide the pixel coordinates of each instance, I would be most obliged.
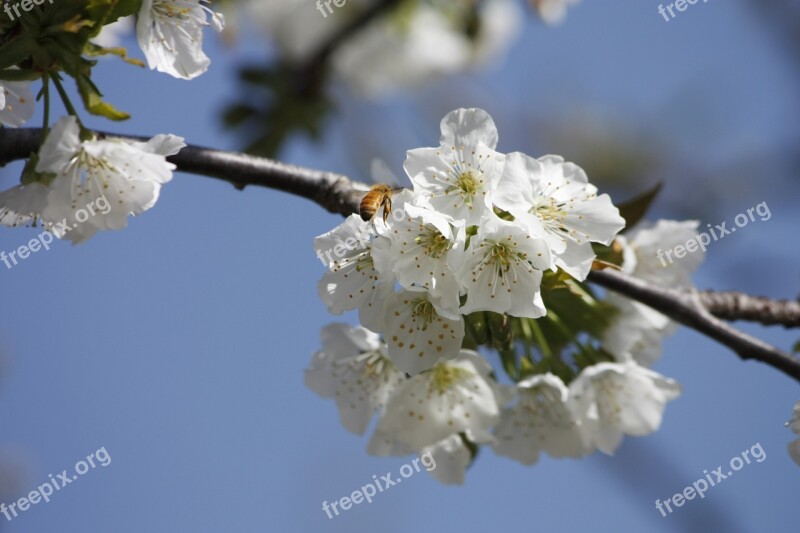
(339, 194)
(685, 307)
(336, 193)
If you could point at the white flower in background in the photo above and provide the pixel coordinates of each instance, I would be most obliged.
(422, 244)
(170, 33)
(454, 396)
(540, 421)
(393, 54)
(553, 11)
(501, 270)
(354, 369)
(554, 199)
(352, 281)
(127, 175)
(499, 23)
(426, 41)
(637, 331)
(297, 27)
(16, 103)
(413, 44)
(794, 425)
(615, 399)
(459, 177)
(112, 34)
(419, 332)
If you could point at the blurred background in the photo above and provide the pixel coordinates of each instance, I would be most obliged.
(179, 344)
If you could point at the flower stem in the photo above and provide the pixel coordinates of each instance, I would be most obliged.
(65, 98)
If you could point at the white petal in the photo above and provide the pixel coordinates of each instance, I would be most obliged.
(449, 460)
(417, 336)
(467, 128)
(16, 103)
(453, 397)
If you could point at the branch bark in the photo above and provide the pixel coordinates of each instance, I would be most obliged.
(338, 194)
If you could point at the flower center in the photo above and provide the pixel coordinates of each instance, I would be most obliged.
(433, 242)
(423, 310)
(465, 185)
(446, 377)
(503, 255)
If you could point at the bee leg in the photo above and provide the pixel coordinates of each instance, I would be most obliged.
(387, 208)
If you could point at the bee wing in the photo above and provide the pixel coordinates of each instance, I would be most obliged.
(380, 173)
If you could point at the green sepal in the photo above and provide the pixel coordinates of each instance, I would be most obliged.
(93, 101)
(636, 208)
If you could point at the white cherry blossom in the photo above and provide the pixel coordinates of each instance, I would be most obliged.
(170, 33)
(454, 396)
(540, 421)
(460, 176)
(501, 270)
(419, 332)
(352, 281)
(353, 368)
(614, 399)
(126, 175)
(554, 200)
(421, 248)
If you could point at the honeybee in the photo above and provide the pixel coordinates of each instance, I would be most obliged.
(379, 196)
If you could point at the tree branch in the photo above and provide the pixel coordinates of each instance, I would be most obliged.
(686, 307)
(338, 194)
(740, 306)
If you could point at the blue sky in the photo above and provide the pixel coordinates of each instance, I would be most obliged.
(179, 343)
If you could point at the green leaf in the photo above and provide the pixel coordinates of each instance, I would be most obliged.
(796, 347)
(636, 208)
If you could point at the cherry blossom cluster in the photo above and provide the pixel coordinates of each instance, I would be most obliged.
(478, 233)
(74, 166)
